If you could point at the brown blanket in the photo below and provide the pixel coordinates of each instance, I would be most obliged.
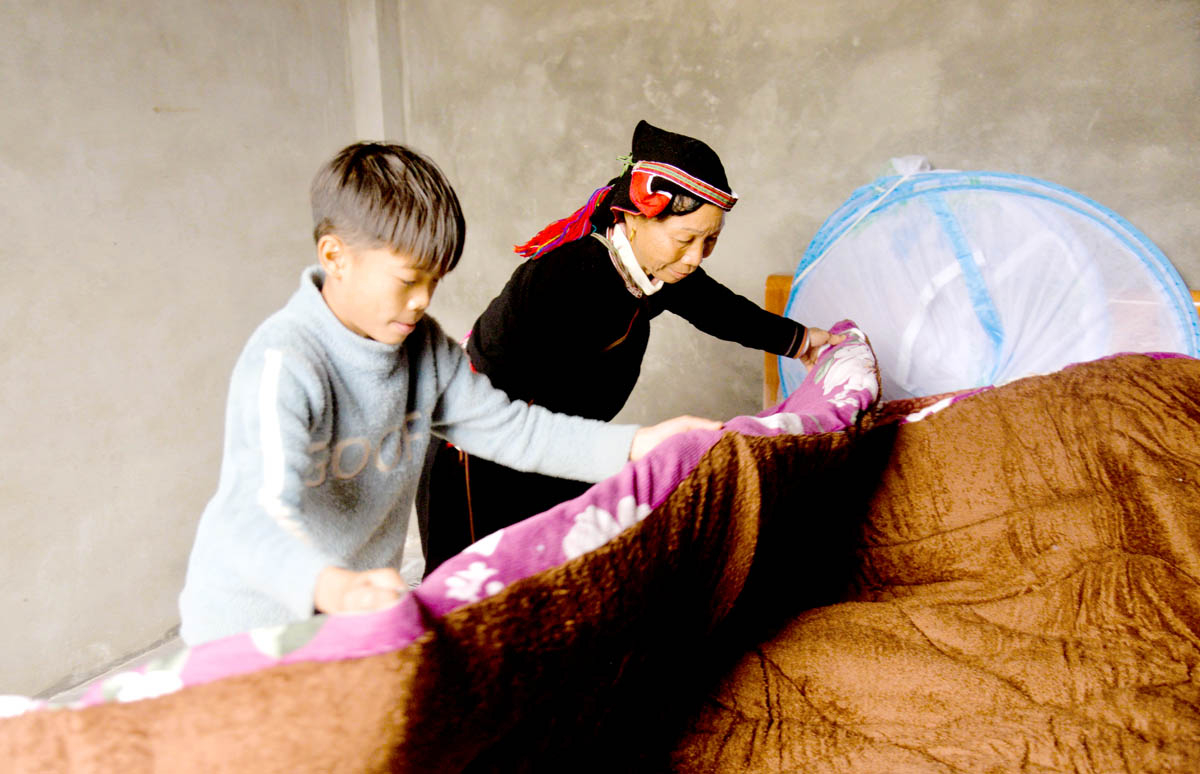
(1026, 598)
(1011, 584)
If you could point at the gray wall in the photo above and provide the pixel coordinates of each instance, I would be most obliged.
(154, 159)
(154, 164)
(527, 105)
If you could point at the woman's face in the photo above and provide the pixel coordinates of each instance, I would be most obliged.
(672, 248)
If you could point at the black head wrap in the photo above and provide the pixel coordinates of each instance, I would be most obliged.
(660, 166)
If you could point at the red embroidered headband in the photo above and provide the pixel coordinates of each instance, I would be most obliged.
(650, 202)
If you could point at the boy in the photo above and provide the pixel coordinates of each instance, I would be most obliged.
(333, 401)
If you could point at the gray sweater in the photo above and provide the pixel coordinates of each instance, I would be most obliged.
(325, 435)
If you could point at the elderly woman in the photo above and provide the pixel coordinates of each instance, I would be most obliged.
(570, 328)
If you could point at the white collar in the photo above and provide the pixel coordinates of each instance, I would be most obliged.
(630, 263)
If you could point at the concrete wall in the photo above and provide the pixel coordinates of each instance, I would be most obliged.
(527, 105)
(154, 164)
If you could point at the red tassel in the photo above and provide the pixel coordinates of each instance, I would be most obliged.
(574, 226)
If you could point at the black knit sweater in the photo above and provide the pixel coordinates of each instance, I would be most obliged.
(566, 333)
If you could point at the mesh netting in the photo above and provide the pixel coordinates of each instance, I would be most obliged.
(964, 279)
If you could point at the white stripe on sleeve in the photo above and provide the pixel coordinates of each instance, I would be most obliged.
(270, 495)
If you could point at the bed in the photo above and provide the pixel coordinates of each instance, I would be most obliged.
(1000, 579)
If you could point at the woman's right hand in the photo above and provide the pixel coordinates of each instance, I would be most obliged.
(818, 339)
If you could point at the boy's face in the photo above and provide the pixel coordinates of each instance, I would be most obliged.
(375, 292)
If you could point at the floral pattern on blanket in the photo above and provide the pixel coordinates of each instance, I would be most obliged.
(843, 384)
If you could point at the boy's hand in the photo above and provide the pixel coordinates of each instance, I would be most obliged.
(345, 591)
(646, 438)
(818, 338)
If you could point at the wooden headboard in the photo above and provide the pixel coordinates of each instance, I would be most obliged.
(775, 300)
(778, 288)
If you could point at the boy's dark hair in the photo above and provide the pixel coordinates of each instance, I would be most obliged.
(386, 195)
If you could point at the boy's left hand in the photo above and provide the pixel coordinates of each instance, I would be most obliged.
(646, 438)
(340, 590)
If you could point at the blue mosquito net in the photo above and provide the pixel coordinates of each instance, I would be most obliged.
(965, 279)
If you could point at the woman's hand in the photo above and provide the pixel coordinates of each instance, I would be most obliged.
(646, 438)
(817, 340)
(345, 591)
